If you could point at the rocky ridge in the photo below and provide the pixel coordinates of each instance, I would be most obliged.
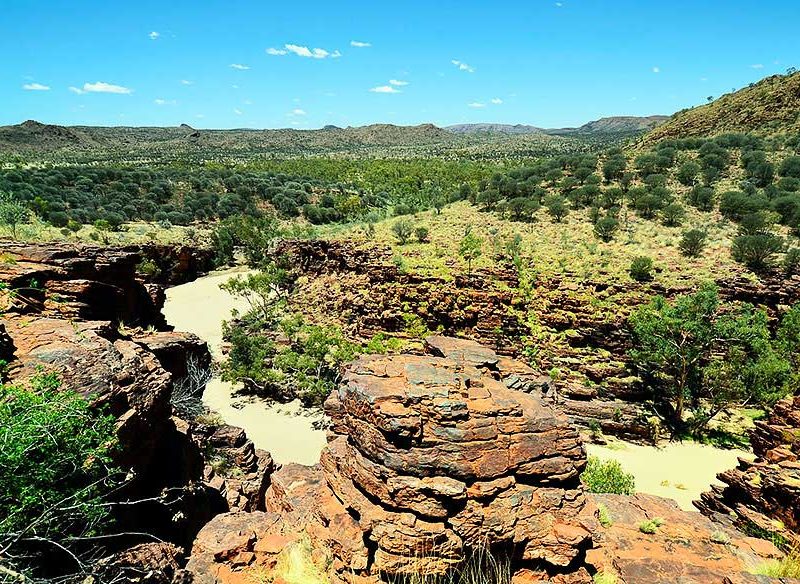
(578, 328)
(763, 496)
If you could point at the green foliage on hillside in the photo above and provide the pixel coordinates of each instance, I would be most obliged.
(767, 108)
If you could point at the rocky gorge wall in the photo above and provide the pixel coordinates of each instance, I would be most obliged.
(84, 313)
(576, 329)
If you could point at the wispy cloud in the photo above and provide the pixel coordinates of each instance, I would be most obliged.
(160, 101)
(309, 53)
(656, 69)
(35, 87)
(239, 67)
(497, 101)
(154, 35)
(186, 82)
(237, 111)
(385, 89)
(757, 66)
(398, 82)
(463, 66)
(276, 52)
(559, 4)
(476, 105)
(101, 87)
(297, 112)
(360, 44)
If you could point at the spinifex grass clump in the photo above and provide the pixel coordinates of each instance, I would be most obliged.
(482, 566)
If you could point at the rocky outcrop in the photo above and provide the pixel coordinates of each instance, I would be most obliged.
(80, 312)
(763, 496)
(684, 547)
(431, 458)
(170, 265)
(428, 459)
(79, 282)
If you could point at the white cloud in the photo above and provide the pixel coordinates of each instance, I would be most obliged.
(656, 69)
(397, 82)
(154, 35)
(101, 87)
(360, 44)
(497, 101)
(757, 66)
(160, 101)
(186, 82)
(476, 104)
(384, 89)
(237, 111)
(559, 4)
(274, 51)
(462, 66)
(315, 53)
(297, 112)
(239, 66)
(35, 87)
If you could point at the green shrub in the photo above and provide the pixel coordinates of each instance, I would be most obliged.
(692, 243)
(788, 567)
(650, 526)
(606, 227)
(791, 262)
(641, 269)
(604, 516)
(607, 476)
(422, 234)
(757, 251)
(55, 463)
(402, 229)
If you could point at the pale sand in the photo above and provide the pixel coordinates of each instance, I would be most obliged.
(285, 430)
(678, 470)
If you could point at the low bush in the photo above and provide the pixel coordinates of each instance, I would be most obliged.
(607, 476)
(641, 269)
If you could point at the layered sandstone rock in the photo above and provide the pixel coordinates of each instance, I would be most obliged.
(429, 458)
(763, 496)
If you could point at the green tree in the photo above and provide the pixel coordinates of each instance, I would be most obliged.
(641, 269)
(402, 229)
(689, 351)
(470, 248)
(556, 207)
(757, 251)
(13, 213)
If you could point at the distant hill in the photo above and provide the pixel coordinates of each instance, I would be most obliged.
(615, 125)
(769, 107)
(493, 129)
(612, 125)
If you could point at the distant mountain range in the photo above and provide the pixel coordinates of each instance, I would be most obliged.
(609, 125)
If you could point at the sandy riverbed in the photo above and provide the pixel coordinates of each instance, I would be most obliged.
(285, 430)
(679, 470)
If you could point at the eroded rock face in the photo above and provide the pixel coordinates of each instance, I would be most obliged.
(763, 496)
(687, 547)
(429, 457)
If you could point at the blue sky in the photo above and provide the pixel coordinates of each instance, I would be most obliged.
(543, 62)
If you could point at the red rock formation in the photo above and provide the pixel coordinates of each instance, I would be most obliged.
(763, 496)
(686, 547)
(428, 458)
